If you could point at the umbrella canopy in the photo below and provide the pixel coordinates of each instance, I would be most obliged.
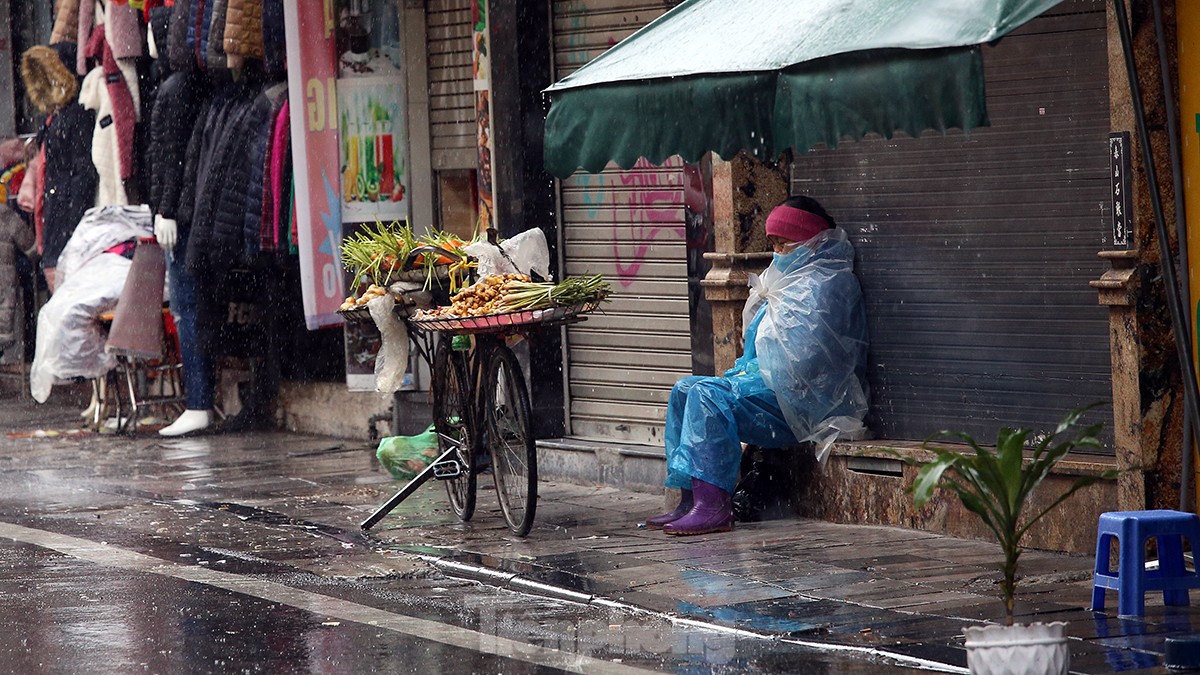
(766, 75)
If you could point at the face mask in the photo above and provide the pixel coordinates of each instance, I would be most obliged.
(785, 261)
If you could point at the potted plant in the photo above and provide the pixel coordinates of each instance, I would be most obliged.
(996, 484)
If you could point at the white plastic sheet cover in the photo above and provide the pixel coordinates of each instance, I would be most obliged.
(392, 360)
(70, 342)
(812, 342)
(526, 253)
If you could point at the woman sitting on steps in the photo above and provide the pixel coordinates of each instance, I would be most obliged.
(800, 378)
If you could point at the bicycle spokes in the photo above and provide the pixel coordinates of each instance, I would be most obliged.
(451, 401)
(510, 439)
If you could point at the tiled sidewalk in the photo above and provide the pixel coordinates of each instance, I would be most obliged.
(903, 591)
(890, 589)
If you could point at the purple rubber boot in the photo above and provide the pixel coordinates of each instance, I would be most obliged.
(712, 511)
(685, 505)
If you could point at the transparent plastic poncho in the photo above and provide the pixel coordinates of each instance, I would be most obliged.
(811, 341)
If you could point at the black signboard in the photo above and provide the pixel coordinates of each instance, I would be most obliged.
(1121, 174)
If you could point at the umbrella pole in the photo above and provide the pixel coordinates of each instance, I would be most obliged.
(1181, 234)
(1170, 278)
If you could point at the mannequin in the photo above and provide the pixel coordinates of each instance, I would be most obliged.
(198, 378)
(175, 108)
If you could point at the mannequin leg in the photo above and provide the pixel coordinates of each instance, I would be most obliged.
(189, 422)
(198, 367)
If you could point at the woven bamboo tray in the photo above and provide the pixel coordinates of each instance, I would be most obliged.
(506, 321)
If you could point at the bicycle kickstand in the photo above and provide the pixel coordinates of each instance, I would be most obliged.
(429, 472)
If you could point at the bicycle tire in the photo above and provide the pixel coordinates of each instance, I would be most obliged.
(510, 439)
(452, 422)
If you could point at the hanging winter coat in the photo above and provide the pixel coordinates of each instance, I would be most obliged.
(70, 179)
(123, 30)
(244, 29)
(111, 91)
(86, 20)
(204, 176)
(66, 22)
(278, 181)
(177, 52)
(259, 130)
(176, 108)
(64, 185)
(218, 220)
(214, 51)
(274, 49)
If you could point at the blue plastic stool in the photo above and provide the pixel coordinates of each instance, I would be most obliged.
(1132, 581)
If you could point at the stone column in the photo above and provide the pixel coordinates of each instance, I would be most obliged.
(1118, 290)
(744, 192)
(1158, 390)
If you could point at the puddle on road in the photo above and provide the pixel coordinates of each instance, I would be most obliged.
(257, 515)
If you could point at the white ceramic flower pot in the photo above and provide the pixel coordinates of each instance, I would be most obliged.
(1033, 649)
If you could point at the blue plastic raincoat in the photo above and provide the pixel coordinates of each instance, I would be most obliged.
(799, 379)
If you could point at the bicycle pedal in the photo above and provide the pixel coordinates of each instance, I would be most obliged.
(447, 470)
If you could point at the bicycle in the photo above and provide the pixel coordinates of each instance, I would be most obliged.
(481, 404)
(481, 411)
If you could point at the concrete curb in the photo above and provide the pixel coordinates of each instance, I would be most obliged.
(515, 582)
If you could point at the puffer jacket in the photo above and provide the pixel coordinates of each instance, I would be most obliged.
(214, 49)
(186, 205)
(273, 31)
(177, 52)
(219, 165)
(197, 11)
(217, 234)
(259, 128)
(244, 29)
(176, 107)
(15, 235)
(66, 21)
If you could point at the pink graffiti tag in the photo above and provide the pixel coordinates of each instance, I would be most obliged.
(646, 223)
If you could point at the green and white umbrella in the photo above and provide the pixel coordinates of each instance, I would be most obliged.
(769, 75)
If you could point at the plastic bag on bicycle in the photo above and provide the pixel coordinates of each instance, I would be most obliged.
(406, 456)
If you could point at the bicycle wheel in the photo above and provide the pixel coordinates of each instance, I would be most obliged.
(510, 439)
(452, 422)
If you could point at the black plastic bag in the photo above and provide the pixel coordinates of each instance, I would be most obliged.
(770, 481)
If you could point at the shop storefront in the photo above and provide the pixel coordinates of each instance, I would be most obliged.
(975, 250)
(628, 225)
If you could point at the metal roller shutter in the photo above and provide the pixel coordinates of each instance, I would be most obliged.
(628, 226)
(451, 97)
(975, 252)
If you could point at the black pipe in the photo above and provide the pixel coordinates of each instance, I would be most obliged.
(1170, 279)
(1164, 69)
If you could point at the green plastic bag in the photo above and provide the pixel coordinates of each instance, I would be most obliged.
(407, 456)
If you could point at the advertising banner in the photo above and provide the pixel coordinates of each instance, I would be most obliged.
(373, 149)
(482, 84)
(312, 90)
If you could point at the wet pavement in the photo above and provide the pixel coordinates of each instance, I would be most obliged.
(232, 553)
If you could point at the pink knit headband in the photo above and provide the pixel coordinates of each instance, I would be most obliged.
(795, 224)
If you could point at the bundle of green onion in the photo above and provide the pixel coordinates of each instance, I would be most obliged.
(524, 295)
(376, 254)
